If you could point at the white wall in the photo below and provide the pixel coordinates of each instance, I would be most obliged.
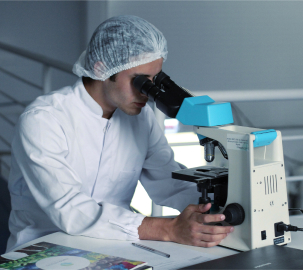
(55, 29)
(52, 28)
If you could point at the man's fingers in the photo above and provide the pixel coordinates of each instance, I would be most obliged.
(192, 227)
(210, 229)
(208, 240)
(207, 218)
(213, 237)
(209, 244)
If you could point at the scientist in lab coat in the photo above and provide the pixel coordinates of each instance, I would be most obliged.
(77, 153)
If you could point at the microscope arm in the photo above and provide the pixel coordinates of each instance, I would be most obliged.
(177, 102)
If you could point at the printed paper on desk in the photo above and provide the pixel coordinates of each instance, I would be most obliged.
(51, 256)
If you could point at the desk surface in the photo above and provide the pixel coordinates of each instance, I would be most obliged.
(181, 255)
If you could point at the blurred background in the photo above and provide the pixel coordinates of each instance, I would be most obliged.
(247, 52)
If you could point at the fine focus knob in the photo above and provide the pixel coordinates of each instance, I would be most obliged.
(234, 214)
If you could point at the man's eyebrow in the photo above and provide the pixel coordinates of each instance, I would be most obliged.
(146, 75)
(141, 74)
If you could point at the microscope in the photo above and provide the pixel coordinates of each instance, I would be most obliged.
(251, 190)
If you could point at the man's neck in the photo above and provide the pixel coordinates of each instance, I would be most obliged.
(94, 89)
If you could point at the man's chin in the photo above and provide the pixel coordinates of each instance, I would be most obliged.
(132, 112)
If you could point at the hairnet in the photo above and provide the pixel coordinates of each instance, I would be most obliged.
(120, 43)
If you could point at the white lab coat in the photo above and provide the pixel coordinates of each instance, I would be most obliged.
(76, 172)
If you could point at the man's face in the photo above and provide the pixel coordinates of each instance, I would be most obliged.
(122, 94)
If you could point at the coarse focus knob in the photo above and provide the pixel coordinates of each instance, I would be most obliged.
(234, 214)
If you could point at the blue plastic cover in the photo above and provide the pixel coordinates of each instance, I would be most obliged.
(264, 137)
(200, 137)
(204, 111)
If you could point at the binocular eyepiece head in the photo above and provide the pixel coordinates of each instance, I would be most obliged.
(167, 95)
(145, 86)
(149, 88)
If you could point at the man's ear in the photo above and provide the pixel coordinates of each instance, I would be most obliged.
(99, 69)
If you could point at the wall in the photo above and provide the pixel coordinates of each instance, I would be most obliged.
(55, 29)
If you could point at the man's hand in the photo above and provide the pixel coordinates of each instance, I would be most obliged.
(188, 228)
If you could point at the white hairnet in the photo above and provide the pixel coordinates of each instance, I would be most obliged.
(120, 43)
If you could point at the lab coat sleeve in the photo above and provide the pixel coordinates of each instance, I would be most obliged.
(40, 149)
(156, 173)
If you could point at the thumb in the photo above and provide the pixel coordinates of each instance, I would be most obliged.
(204, 207)
(193, 208)
(200, 208)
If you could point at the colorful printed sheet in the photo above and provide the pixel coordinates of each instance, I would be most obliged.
(49, 256)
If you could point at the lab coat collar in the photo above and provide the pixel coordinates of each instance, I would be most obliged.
(87, 99)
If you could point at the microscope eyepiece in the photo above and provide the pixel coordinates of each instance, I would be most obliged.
(167, 95)
(146, 87)
(163, 79)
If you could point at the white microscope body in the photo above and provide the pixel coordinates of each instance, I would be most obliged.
(256, 181)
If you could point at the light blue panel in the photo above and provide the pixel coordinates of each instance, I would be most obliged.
(200, 137)
(264, 137)
(199, 100)
(203, 111)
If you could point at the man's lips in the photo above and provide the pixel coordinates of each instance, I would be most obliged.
(140, 104)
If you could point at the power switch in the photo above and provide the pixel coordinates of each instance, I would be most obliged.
(263, 235)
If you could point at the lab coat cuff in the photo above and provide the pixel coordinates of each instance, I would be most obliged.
(131, 227)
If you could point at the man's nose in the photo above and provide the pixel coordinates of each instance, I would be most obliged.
(143, 95)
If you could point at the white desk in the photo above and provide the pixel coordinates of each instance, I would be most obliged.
(181, 255)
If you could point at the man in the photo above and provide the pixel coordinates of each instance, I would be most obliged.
(78, 153)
